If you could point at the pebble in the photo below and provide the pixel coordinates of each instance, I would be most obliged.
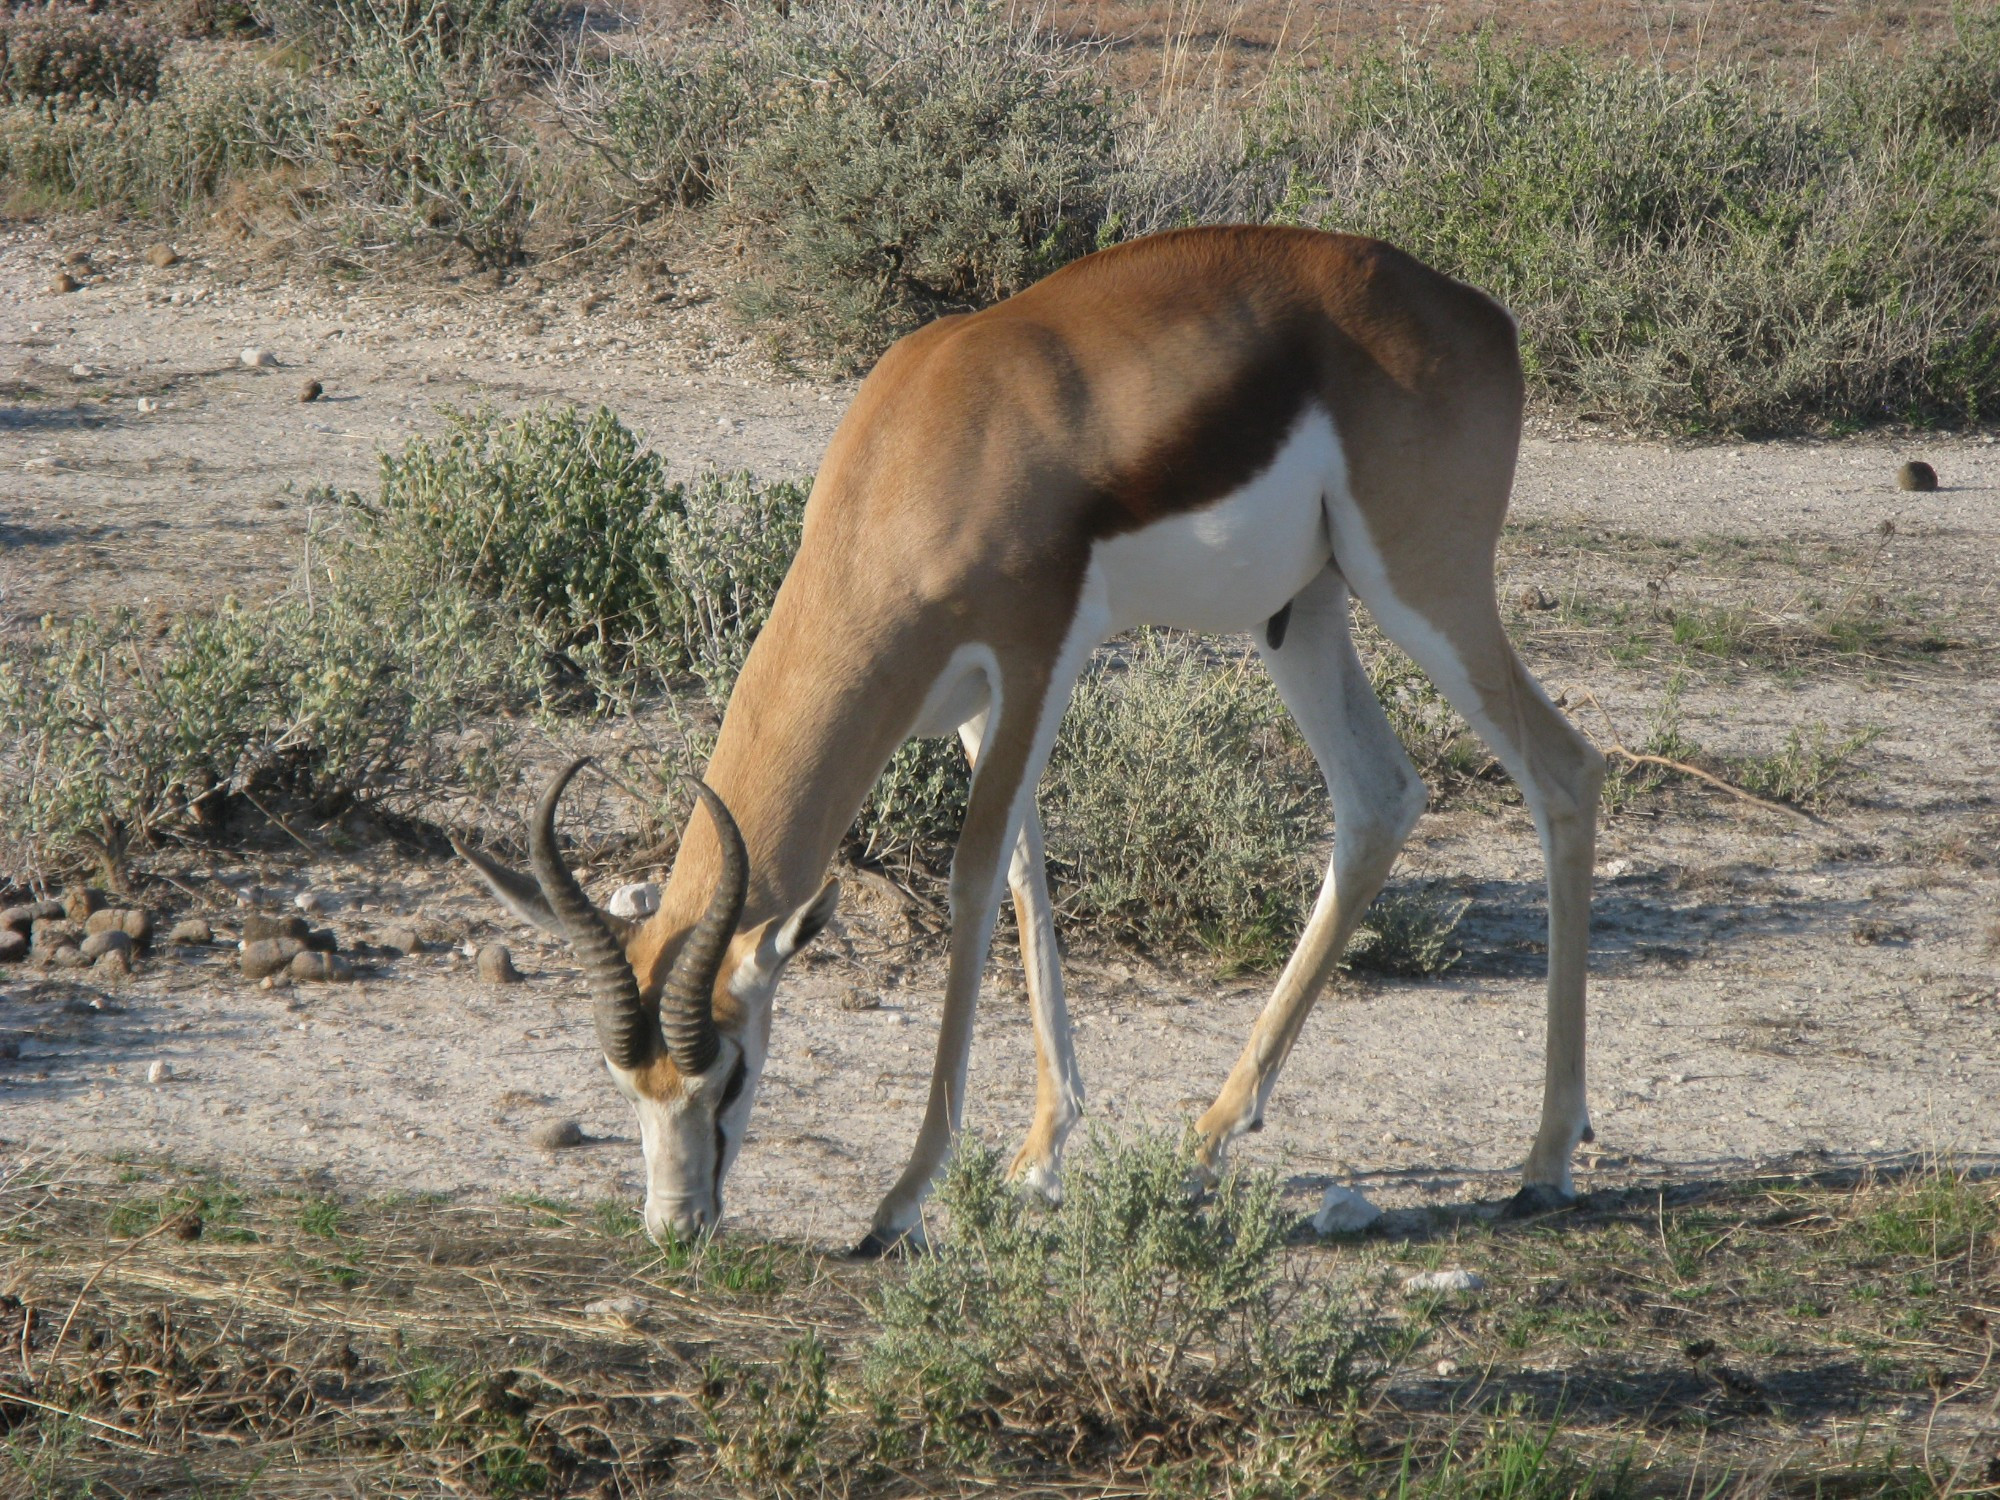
(1916, 475)
(105, 940)
(1425, 1282)
(159, 1072)
(66, 956)
(1534, 598)
(403, 939)
(1344, 1211)
(77, 258)
(81, 370)
(639, 899)
(23, 918)
(315, 903)
(321, 968)
(263, 957)
(254, 358)
(191, 932)
(148, 405)
(163, 256)
(1447, 1367)
(856, 998)
(624, 1308)
(257, 927)
(79, 901)
(722, 424)
(64, 283)
(496, 965)
(13, 946)
(557, 1135)
(113, 962)
(311, 391)
(133, 922)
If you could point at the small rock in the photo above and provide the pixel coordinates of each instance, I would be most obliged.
(147, 405)
(1534, 598)
(106, 940)
(264, 957)
(1425, 1282)
(257, 927)
(81, 370)
(1916, 475)
(639, 899)
(64, 283)
(10, 1048)
(315, 903)
(557, 1135)
(159, 1072)
(1447, 1367)
(67, 956)
(856, 998)
(23, 918)
(321, 968)
(722, 424)
(13, 945)
(191, 932)
(77, 258)
(403, 939)
(589, 303)
(496, 965)
(254, 358)
(1344, 1211)
(51, 933)
(163, 256)
(311, 391)
(133, 922)
(115, 963)
(79, 901)
(625, 1309)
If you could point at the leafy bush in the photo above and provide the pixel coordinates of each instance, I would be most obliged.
(574, 529)
(109, 738)
(1408, 934)
(1181, 804)
(1808, 770)
(1132, 1320)
(62, 56)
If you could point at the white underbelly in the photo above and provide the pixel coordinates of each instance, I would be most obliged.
(1230, 566)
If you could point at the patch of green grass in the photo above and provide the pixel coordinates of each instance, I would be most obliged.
(1811, 770)
(1937, 1215)
(216, 1203)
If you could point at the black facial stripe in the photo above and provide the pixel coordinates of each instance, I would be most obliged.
(729, 1092)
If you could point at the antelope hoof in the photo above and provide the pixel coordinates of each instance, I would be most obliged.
(878, 1243)
(1536, 1199)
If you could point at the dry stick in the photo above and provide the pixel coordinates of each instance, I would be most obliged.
(1634, 757)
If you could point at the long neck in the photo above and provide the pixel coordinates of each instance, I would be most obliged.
(830, 689)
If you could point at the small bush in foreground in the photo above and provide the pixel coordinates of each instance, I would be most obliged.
(1131, 1324)
(1409, 934)
(1809, 770)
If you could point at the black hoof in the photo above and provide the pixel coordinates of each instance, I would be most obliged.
(1536, 1199)
(875, 1245)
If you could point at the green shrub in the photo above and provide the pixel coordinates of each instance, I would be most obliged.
(109, 738)
(1131, 1319)
(574, 531)
(1809, 770)
(1181, 805)
(62, 56)
(1409, 934)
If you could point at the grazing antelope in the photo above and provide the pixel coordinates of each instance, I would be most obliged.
(1222, 429)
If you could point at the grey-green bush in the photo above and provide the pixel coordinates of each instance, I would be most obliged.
(1130, 1314)
(62, 56)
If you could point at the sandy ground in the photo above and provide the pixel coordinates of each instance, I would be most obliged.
(1736, 1017)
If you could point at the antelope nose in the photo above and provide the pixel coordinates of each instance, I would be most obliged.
(679, 1221)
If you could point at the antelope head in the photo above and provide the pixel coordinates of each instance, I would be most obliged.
(689, 1055)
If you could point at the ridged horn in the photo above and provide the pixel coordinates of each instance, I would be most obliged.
(625, 1029)
(687, 1009)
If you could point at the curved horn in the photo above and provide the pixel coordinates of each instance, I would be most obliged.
(626, 1032)
(687, 1010)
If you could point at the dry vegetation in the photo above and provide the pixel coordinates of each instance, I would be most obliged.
(1814, 1333)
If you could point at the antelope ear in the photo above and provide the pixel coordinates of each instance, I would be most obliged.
(809, 921)
(521, 896)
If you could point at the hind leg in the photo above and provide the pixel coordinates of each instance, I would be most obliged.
(1377, 799)
(1459, 642)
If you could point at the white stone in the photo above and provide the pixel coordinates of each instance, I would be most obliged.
(148, 404)
(615, 1307)
(1344, 1211)
(1447, 1367)
(80, 370)
(159, 1072)
(722, 424)
(315, 903)
(258, 359)
(639, 899)
(1442, 1281)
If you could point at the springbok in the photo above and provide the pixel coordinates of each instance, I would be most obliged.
(1219, 429)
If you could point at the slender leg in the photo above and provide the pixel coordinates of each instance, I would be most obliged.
(1377, 798)
(1058, 1083)
(1020, 733)
(1465, 651)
